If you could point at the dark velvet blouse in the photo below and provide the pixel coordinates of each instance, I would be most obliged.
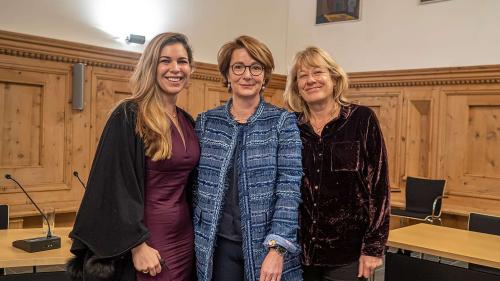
(345, 189)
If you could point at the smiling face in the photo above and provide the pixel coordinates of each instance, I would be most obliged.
(173, 69)
(315, 84)
(245, 85)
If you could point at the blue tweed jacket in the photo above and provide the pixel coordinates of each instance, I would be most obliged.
(269, 186)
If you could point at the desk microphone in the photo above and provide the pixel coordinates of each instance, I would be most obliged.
(40, 243)
(75, 173)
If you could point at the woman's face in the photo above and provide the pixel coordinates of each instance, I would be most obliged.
(315, 84)
(173, 69)
(246, 75)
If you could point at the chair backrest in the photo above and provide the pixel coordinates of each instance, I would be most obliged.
(4, 216)
(484, 223)
(421, 193)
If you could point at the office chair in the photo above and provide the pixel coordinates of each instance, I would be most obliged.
(4, 216)
(484, 224)
(423, 200)
(4, 224)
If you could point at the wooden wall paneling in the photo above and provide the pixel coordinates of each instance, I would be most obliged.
(215, 95)
(183, 99)
(471, 143)
(108, 87)
(387, 104)
(277, 97)
(36, 124)
(45, 50)
(437, 122)
(21, 123)
(43, 139)
(81, 158)
(195, 97)
(419, 133)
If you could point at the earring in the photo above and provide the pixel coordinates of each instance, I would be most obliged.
(263, 88)
(229, 86)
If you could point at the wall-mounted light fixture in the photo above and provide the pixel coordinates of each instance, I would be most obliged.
(137, 39)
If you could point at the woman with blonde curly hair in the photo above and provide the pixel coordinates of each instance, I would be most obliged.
(134, 222)
(344, 215)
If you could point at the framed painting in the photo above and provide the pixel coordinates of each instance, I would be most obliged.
(337, 10)
(430, 1)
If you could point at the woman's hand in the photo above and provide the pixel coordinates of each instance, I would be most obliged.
(272, 267)
(146, 259)
(367, 265)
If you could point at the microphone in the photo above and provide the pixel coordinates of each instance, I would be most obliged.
(75, 173)
(40, 243)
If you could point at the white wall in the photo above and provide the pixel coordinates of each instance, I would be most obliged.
(208, 23)
(392, 34)
(401, 34)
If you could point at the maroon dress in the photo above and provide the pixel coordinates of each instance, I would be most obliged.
(166, 211)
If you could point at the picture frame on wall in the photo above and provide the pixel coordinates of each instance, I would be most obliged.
(430, 1)
(337, 10)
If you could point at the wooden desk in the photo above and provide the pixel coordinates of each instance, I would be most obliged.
(13, 257)
(463, 245)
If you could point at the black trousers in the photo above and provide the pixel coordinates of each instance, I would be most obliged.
(228, 261)
(348, 272)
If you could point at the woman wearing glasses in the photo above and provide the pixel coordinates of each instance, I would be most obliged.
(247, 193)
(345, 191)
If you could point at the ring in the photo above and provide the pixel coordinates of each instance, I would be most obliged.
(145, 271)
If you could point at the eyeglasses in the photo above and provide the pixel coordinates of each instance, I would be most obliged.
(255, 68)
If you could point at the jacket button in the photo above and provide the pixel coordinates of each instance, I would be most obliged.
(314, 221)
(315, 204)
(320, 154)
(316, 187)
(313, 239)
(317, 170)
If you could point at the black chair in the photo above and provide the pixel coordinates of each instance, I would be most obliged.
(484, 224)
(4, 216)
(423, 200)
(4, 224)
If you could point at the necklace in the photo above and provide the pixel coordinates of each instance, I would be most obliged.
(317, 128)
(175, 121)
(318, 125)
(237, 118)
(172, 116)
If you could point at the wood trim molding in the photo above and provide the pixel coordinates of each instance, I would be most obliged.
(489, 74)
(41, 48)
(35, 47)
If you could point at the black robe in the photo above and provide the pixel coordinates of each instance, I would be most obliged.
(110, 221)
